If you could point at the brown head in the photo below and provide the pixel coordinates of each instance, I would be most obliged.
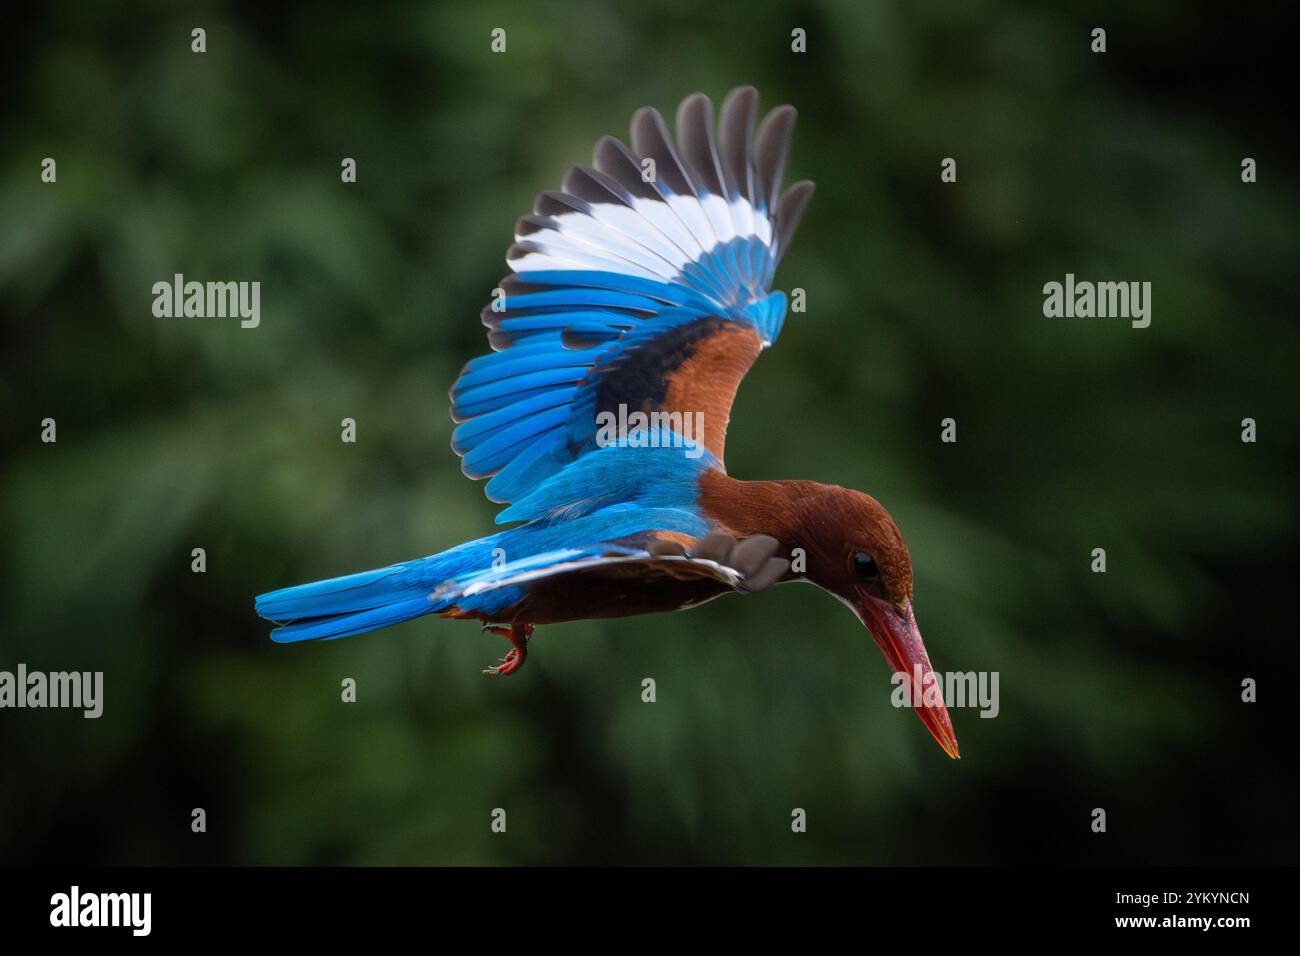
(856, 552)
(850, 547)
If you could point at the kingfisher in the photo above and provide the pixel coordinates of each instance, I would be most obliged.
(639, 295)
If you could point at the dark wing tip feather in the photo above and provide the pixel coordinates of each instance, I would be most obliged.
(527, 225)
(650, 139)
(790, 213)
(770, 155)
(695, 140)
(513, 285)
(552, 203)
(619, 163)
(592, 186)
(521, 248)
(736, 139)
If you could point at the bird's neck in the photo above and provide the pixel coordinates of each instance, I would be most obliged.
(744, 508)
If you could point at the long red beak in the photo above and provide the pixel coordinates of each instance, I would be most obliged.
(898, 637)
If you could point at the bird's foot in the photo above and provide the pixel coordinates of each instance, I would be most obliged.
(518, 635)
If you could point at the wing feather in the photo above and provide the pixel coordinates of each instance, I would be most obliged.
(646, 292)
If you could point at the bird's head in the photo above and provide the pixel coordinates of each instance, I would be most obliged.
(856, 552)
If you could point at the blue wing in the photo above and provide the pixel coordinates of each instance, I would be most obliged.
(643, 284)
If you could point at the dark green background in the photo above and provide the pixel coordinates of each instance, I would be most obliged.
(1119, 691)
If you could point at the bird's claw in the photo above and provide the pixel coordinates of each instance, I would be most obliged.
(518, 635)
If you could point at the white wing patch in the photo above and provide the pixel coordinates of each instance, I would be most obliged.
(652, 239)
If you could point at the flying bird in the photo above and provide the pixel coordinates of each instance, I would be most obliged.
(638, 297)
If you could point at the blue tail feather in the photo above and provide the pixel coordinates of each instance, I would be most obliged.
(346, 625)
(651, 488)
(355, 603)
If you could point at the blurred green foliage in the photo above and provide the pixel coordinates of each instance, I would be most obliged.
(1118, 691)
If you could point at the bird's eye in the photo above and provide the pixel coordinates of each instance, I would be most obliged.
(864, 565)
